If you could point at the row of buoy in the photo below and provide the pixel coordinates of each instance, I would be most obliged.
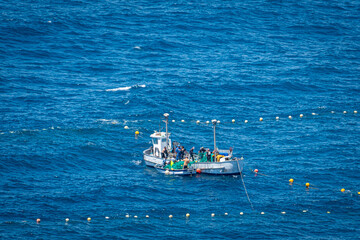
(187, 215)
(261, 119)
(183, 121)
(307, 185)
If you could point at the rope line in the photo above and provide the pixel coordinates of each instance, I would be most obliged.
(247, 195)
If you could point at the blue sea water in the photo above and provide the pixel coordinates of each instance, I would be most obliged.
(74, 73)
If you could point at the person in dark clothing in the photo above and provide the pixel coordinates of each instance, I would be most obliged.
(192, 153)
(164, 153)
(208, 155)
(182, 152)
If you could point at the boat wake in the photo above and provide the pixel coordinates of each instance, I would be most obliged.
(125, 88)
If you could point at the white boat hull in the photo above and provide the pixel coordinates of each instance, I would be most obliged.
(233, 167)
(151, 160)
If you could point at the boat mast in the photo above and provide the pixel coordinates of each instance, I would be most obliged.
(214, 125)
(166, 115)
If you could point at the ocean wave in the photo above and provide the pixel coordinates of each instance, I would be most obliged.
(125, 88)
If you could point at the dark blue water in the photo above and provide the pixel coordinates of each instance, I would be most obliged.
(74, 73)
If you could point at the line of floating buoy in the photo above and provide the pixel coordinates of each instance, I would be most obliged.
(187, 215)
(262, 119)
(126, 127)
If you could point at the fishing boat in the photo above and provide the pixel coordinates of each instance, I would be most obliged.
(222, 162)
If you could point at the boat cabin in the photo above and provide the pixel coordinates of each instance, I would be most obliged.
(159, 142)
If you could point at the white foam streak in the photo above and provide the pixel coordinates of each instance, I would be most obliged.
(118, 89)
(125, 88)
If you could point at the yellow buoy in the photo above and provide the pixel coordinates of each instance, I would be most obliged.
(343, 190)
(197, 121)
(173, 120)
(126, 127)
(106, 217)
(355, 112)
(277, 118)
(291, 180)
(182, 120)
(246, 121)
(241, 213)
(260, 119)
(188, 215)
(66, 219)
(135, 216)
(345, 112)
(147, 216)
(262, 213)
(137, 133)
(207, 122)
(307, 185)
(218, 121)
(89, 219)
(213, 214)
(290, 117)
(304, 211)
(328, 212)
(233, 121)
(226, 214)
(313, 113)
(332, 111)
(283, 212)
(301, 115)
(170, 216)
(127, 215)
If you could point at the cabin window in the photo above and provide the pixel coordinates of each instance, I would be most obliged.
(163, 140)
(155, 141)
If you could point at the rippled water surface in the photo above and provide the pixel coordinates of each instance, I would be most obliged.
(74, 73)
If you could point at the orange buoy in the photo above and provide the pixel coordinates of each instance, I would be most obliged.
(38, 220)
(198, 170)
(307, 185)
(256, 171)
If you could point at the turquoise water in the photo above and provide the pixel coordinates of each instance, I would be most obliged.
(73, 74)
